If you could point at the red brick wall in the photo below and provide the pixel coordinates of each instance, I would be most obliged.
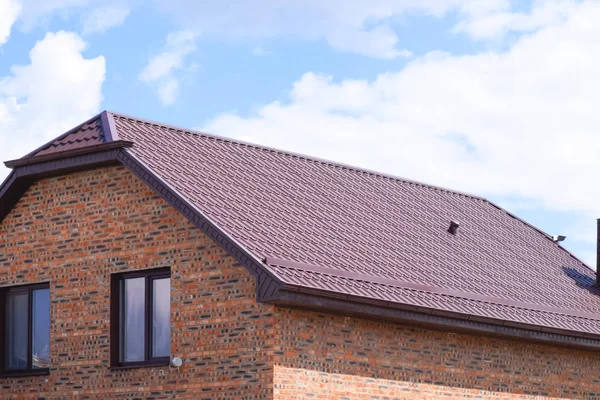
(346, 358)
(74, 231)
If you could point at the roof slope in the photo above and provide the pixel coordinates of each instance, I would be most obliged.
(89, 133)
(339, 229)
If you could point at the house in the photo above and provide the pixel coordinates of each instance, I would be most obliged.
(129, 246)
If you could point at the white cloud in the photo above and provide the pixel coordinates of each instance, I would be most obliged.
(167, 90)
(497, 22)
(96, 15)
(56, 91)
(9, 11)
(101, 19)
(162, 68)
(379, 42)
(519, 124)
(358, 26)
(260, 51)
(36, 12)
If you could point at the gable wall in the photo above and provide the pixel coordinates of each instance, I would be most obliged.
(349, 358)
(74, 232)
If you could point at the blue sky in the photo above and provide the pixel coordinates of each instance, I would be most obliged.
(494, 97)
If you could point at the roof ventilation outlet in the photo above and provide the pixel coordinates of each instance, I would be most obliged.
(558, 238)
(453, 227)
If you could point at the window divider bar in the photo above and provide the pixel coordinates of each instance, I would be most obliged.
(30, 329)
(148, 313)
(3, 344)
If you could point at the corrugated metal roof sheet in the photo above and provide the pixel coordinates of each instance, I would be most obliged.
(89, 134)
(368, 234)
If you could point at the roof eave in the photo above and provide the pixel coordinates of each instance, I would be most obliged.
(22, 176)
(20, 162)
(295, 296)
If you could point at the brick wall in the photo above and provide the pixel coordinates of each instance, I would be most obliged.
(74, 231)
(335, 357)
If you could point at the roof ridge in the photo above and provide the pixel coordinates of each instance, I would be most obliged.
(343, 165)
(108, 124)
(302, 156)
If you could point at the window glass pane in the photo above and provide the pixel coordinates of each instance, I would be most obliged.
(161, 318)
(133, 322)
(40, 325)
(17, 318)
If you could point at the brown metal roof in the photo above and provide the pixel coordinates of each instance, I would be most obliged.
(87, 134)
(337, 229)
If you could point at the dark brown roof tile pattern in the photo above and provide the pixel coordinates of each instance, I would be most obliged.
(365, 228)
(295, 208)
(89, 134)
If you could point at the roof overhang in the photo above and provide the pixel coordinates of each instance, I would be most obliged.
(360, 307)
(99, 148)
(25, 173)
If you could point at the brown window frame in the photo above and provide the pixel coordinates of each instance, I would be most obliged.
(116, 314)
(29, 371)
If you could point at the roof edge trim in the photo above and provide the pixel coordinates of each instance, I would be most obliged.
(428, 289)
(6, 183)
(69, 153)
(21, 177)
(433, 319)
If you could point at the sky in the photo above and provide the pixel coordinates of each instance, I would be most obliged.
(493, 97)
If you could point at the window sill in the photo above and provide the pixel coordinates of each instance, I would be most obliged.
(25, 373)
(150, 364)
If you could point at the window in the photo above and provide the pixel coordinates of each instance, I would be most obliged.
(25, 330)
(141, 318)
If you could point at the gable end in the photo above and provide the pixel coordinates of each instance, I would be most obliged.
(25, 173)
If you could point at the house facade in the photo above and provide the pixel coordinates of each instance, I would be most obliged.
(125, 244)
